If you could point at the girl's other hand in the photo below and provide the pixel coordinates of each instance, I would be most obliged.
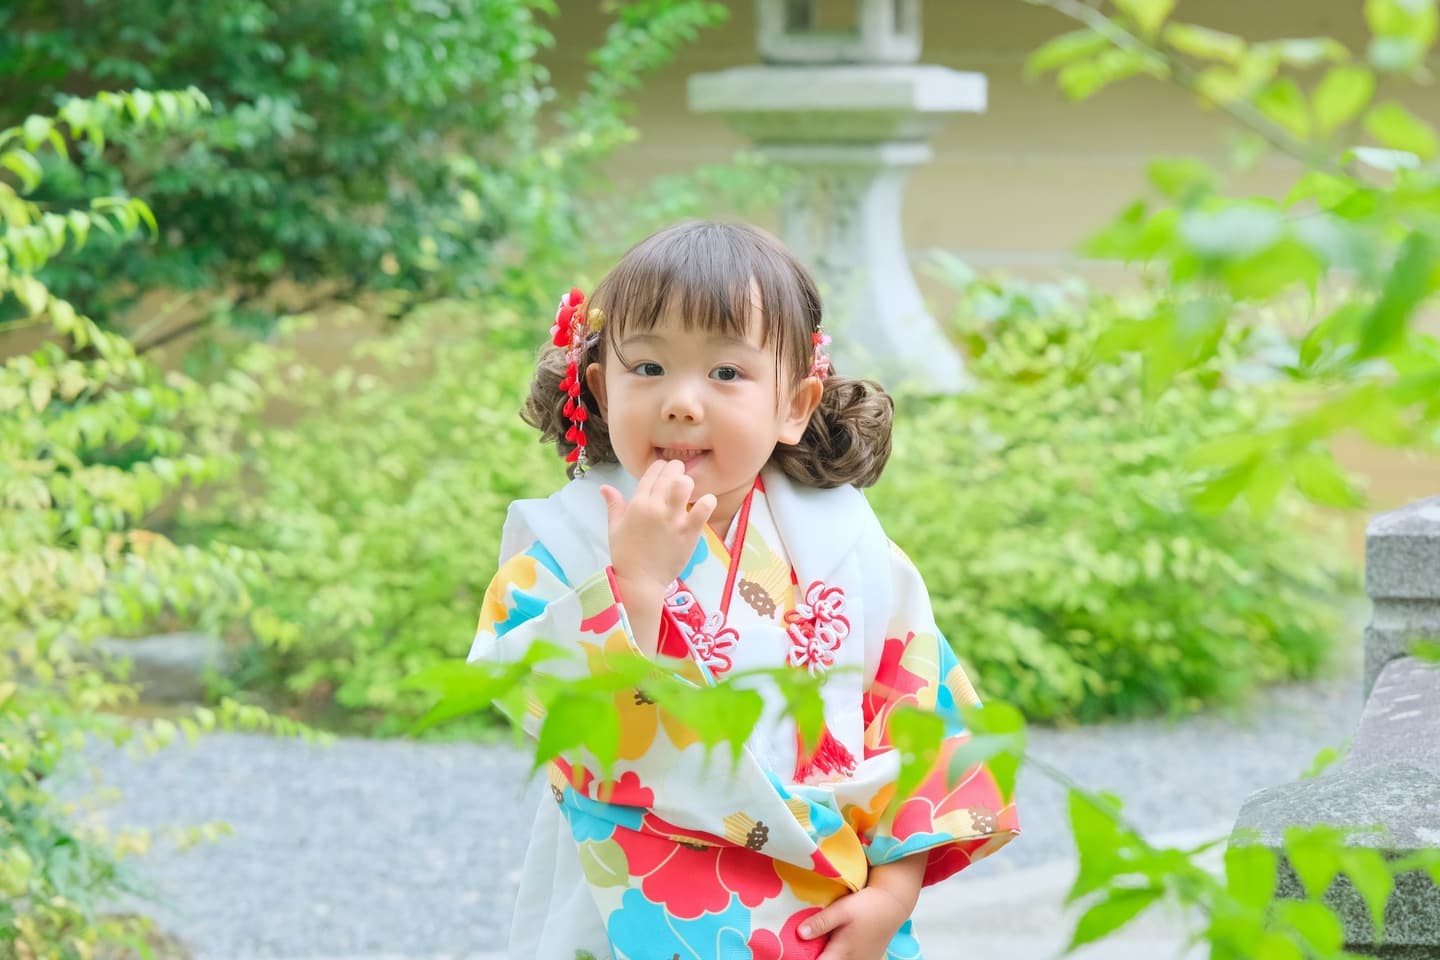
(860, 925)
(654, 535)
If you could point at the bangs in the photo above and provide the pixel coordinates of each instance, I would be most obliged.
(712, 277)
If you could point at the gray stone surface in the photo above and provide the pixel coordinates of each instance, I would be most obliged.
(1387, 791)
(851, 131)
(1401, 720)
(874, 31)
(1402, 578)
(169, 667)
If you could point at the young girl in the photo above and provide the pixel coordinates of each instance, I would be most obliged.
(719, 521)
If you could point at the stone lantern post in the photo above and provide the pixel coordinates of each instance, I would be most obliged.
(842, 102)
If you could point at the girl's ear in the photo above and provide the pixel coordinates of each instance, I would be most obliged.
(803, 403)
(595, 380)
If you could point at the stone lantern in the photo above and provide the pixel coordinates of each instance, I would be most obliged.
(841, 101)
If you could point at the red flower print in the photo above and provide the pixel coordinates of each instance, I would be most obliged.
(691, 879)
(628, 791)
(817, 626)
(787, 945)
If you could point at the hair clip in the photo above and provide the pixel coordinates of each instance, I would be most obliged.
(820, 365)
(575, 329)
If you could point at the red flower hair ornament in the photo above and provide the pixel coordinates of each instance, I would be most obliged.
(577, 330)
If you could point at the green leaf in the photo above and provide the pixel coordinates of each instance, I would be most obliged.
(1283, 102)
(1235, 231)
(1250, 874)
(916, 735)
(1099, 842)
(1387, 160)
(1371, 876)
(1319, 478)
(1149, 15)
(1204, 43)
(1316, 924)
(1321, 762)
(23, 165)
(1181, 178)
(1407, 285)
(1117, 909)
(1309, 51)
(1314, 853)
(1001, 754)
(1399, 129)
(1426, 650)
(572, 721)
(1343, 92)
(1063, 50)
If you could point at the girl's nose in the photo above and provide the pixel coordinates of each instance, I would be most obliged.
(683, 404)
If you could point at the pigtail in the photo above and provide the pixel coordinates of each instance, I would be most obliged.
(847, 439)
(544, 409)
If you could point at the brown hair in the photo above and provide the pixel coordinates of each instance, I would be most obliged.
(710, 272)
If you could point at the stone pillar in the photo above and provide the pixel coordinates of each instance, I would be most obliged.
(1390, 779)
(1402, 578)
(851, 113)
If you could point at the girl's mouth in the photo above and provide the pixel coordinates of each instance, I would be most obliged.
(686, 455)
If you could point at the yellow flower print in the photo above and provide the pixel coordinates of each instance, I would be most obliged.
(518, 573)
(922, 658)
(809, 885)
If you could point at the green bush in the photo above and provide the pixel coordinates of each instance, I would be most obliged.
(1053, 510)
(353, 145)
(377, 515)
(1047, 508)
(93, 441)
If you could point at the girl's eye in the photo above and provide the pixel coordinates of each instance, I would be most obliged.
(725, 374)
(649, 369)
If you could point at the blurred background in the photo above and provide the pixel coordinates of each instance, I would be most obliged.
(274, 277)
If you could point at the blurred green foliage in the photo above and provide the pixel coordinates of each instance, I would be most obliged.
(1348, 257)
(1068, 557)
(1065, 561)
(351, 145)
(93, 441)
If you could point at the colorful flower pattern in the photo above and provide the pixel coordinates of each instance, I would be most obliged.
(682, 865)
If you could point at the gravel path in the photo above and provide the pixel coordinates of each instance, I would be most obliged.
(399, 849)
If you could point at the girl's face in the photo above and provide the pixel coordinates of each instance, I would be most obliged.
(712, 401)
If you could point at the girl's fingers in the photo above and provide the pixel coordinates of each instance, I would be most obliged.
(678, 490)
(700, 513)
(646, 484)
(614, 504)
(823, 922)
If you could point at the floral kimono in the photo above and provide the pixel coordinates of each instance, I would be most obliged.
(678, 855)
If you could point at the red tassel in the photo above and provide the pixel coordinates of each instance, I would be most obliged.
(570, 407)
(580, 436)
(830, 757)
(571, 434)
(573, 455)
(580, 413)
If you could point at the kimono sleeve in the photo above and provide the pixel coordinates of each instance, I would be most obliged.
(529, 600)
(956, 823)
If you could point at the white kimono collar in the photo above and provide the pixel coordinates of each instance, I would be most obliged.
(818, 527)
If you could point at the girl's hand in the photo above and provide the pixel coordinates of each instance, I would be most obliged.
(860, 924)
(651, 539)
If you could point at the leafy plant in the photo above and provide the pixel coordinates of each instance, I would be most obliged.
(352, 146)
(1350, 255)
(93, 439)
(1072, 559)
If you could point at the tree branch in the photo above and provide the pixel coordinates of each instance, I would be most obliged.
(1241, 111)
